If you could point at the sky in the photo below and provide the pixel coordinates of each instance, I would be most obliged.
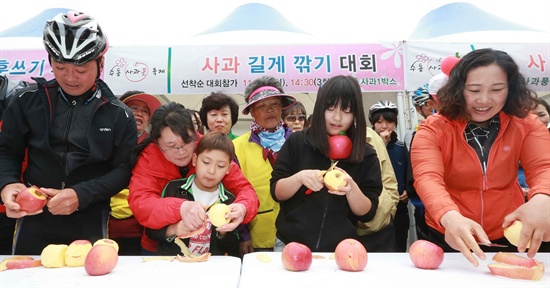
(126, 22)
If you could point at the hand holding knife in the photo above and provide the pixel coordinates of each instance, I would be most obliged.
(322, 173)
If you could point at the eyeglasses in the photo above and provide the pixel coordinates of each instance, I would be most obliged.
(292, 118)
(137, 109)
(172, 150)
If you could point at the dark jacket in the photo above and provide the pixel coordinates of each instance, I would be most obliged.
(112, 134)
(399, 156)
(219, 245)
(321, 220)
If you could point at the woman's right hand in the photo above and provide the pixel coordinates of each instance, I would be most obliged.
(312, 179)
(192, 215)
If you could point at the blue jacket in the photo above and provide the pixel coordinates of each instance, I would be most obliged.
(399, 156)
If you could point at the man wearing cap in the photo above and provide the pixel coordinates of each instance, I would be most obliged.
(123, 226)
(257, 150)
(78, 136)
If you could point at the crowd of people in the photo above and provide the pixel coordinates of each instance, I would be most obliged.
(144, 172)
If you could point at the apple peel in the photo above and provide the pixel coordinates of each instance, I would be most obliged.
(517, 267)
(193, 233)
(262, 257)
(193, 258)
(22, 264)
(4, 263)
(187, 257)
(514, 259)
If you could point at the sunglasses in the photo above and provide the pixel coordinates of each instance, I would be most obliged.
(292, 118)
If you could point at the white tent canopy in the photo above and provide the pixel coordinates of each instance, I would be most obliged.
(242, 26)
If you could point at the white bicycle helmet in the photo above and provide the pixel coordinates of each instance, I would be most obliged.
(382, 105)
(421, 96)
(435, 83)
(74, 38)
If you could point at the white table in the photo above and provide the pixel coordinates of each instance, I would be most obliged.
(131, 271)
(383, 270)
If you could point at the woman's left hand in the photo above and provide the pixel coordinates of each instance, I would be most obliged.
(535, 217)
(236, 214)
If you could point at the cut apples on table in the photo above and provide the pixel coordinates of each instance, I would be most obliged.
(514, 266)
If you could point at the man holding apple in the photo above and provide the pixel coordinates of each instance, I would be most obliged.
(78, 135)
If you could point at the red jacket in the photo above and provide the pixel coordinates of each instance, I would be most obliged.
(149, 177)
(448, 174)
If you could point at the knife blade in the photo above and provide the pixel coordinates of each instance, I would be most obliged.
(492, 245)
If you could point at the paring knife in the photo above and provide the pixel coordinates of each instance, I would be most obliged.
(492, 245)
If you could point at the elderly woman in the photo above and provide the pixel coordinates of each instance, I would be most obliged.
(143, 105)
(257, 150)
(295, 116)
(219, 112)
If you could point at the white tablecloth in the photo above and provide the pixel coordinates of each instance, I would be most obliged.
(131, 271)
(383, 270)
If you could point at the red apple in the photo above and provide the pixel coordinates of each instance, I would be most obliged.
(340, 146)
(101, 260)
(351, 255)
(296, 257)
(31, 199)
(425, 254)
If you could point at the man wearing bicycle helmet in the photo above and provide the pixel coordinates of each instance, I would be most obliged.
(78, 135)
(423, 101)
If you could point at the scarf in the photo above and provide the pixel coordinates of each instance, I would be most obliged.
(270, 141)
